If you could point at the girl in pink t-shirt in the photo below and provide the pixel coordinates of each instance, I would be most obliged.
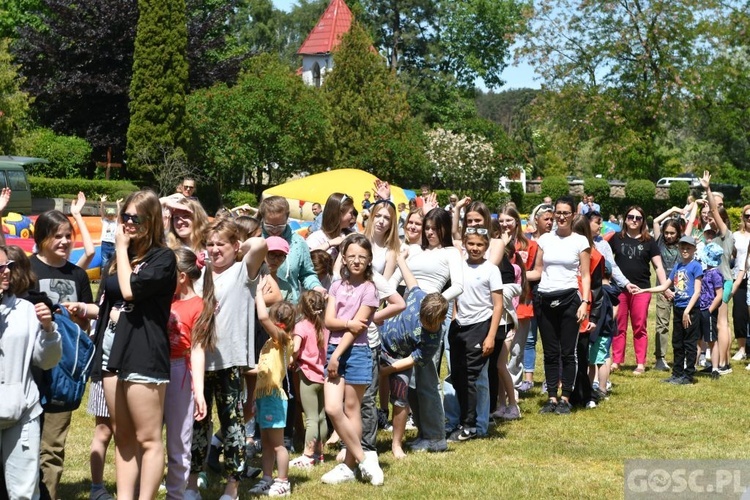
(351, 303)
(310, 340)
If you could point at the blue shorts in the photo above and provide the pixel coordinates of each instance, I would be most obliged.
(599, 350)
(271, 412)
(727, 295)
(355, 365)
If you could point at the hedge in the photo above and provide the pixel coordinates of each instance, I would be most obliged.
(42, 187)
(555, 186)
(236, 197)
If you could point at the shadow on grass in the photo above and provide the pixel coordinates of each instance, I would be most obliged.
(80, 490)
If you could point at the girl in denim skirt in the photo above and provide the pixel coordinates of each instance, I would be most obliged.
(351, 304)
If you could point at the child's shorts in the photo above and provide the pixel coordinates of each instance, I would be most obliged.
(271, 412)
(727, 295)
(398, 382)
(355, 365)
(97, 406)
(708, 325)
(599, 350)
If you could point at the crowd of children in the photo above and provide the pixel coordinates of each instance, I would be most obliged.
(246, 316)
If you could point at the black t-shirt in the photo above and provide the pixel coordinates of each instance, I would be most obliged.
(68, 283)
(633, 256)
(141, 343)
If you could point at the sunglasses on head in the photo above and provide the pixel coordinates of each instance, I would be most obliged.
(130, 218)
(477, 230)
(8, 265)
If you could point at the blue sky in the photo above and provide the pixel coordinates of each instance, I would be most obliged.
(515, 76)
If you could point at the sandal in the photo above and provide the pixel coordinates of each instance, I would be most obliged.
(614, 367)
(639, 371)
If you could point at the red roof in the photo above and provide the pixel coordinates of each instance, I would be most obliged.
(326, 35)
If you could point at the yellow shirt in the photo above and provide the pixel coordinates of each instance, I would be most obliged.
(272, 365)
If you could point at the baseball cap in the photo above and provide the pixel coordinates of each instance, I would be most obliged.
(688, 239)
(277, 244)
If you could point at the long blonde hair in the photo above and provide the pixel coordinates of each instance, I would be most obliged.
(392, 242)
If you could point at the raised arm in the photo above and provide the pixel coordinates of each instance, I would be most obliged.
(88, 244)
(712, 206)
(456, 219)
(102, 200)
(4, 199)
(276, 333)
(661, 218)
(254, 251)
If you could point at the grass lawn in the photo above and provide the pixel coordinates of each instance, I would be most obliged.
(576, 456)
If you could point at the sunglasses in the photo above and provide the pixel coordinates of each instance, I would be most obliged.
(636, 218)
(477, 230)
(270, 228)
(8, 265)
(564, 215)
(746, 216)
(130, 218)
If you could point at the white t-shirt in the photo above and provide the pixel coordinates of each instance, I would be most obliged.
(385, 290)
(475, 304)
(741, 241)
(561, 259)
(109, 227)
(432, 270)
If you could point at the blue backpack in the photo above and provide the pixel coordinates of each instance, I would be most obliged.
(65, 383)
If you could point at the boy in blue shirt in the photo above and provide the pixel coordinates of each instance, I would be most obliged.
(686, 277)
(407, 339)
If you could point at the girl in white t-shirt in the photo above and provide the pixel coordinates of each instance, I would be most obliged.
(472, 333)
(558, 306)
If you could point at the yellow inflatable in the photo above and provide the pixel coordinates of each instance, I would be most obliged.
(15, 224)
(302, 193)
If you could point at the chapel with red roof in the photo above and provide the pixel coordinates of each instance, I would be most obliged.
(316, 50)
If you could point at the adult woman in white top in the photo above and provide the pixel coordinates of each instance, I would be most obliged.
(435, 263)
(558, 306)
(740, 316)
(338, 215)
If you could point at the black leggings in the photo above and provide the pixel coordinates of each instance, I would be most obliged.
(740, 316)
(558, 329)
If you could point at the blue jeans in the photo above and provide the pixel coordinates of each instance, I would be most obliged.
(450, 401)
(529, 352)
(483, 401)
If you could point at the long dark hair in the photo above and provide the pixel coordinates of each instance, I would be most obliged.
(46, 226)
(204, 329)
(442, 222)
(645, 235)
(337, 205)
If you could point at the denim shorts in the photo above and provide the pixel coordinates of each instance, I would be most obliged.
(138, 378)
(271, 412)
(355, 365)
(599, 350)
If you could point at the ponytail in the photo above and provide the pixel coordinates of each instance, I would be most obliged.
(312, 306)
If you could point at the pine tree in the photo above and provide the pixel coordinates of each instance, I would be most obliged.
(13, 102)
(373, 127)
(159, 84)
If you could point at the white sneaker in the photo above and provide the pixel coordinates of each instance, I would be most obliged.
(739, 356)
(339, 474)
(280, 488)
(591, 404)
(747, 367)
(512, 413)
(261, 488)
(409, 424)
(371, 471)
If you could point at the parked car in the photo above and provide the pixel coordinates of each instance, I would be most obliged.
(13, 175)
(689, 178)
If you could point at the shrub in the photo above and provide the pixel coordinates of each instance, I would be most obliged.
(678, 193)
(516, 194)
(237, 197)
(68, 156)
(42, 187)
(494, 200)
(735, 217)
(641, 192)
(555, 186)
(530, 200)
(599, 188)
(745, 195)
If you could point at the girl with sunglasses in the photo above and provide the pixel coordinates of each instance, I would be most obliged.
(635, 251)
(132, 357)
(559, 305)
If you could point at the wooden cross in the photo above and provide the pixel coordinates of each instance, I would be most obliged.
(109, 163)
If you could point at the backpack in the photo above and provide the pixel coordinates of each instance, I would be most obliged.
(65, 384)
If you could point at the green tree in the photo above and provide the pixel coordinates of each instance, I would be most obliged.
(17, 13)
(262, 130)
(373, 127)
(159, 84)
(14, 103)
(618, 73)
(68, 156)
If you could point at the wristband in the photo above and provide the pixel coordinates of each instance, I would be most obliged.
(586, 301)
